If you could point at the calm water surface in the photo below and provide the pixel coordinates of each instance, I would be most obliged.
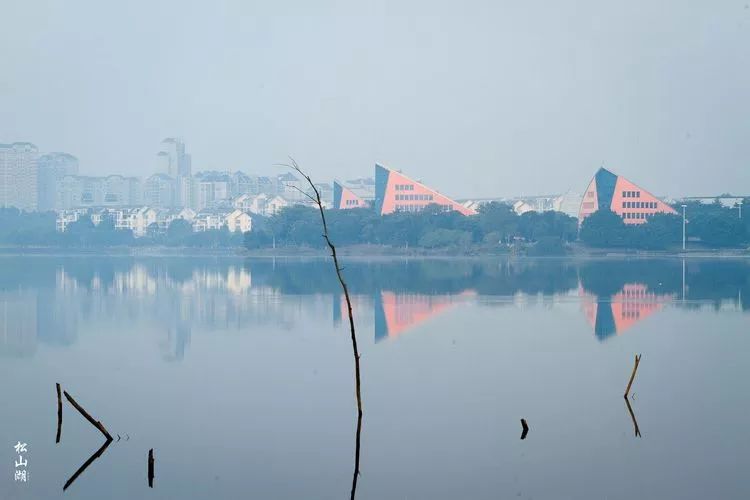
(239, 374)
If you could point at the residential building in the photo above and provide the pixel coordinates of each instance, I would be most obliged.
(395, 192)
(19, 175)
(52, 167)
(205, 221)
(237, 220)
(614, 192)
(159, 190)
(211, 188)
(262, 204)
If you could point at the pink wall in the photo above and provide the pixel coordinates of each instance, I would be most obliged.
(415, 198)
(638, 207)
(354, 200)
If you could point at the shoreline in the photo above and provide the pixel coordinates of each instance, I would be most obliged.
(370, 252)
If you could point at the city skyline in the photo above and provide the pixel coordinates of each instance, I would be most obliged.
(530, 98)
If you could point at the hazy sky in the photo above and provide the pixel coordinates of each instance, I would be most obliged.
(475, 98)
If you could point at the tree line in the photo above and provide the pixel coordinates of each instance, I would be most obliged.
(707, 225)
(495, 229)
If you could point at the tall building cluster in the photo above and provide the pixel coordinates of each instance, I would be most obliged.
(31, 181)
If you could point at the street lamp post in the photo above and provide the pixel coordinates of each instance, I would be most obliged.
(683, 227)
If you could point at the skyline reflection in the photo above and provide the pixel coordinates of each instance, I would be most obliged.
(182, 298)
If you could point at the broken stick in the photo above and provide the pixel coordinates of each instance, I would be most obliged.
(151, 468)
(88, 417)
(632, 375)
(59, 414)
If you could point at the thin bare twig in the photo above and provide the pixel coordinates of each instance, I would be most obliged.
(632, 375)
(317, 200)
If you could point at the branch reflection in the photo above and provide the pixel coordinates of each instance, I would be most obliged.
(88, 462)
(632, 416)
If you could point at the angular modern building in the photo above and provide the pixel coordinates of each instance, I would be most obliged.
(395, 192)
(633, 203)
(344, 198)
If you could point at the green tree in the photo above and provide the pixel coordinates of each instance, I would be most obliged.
(604, 228)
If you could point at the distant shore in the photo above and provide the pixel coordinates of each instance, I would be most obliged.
(576, 252)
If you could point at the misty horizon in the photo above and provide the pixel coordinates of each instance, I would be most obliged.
(528, 100)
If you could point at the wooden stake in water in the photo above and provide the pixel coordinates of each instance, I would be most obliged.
(632, 375)
(151, 468)
(59, 414)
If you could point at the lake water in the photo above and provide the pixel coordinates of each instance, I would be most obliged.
(239, 374)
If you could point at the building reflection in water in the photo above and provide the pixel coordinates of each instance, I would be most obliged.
(48, 300)
(613, 315)
(396, 313)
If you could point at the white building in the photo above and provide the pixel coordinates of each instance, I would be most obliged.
(238, 221)
(19, 175)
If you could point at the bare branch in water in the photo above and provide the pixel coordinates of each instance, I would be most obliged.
(59, 414)
(88, 417)
(632, 375)
(151, 468)
(525, 427)
(317, 200)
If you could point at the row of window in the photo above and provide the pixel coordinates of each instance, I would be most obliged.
(409, 208)
(352, 202)
(404, 187)
(631, 194)
(414, 197)
(638, 204)
(417, 208)
(634, 215)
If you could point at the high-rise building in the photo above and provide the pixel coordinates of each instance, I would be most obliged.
(159, 190)
(174, 162)
(52, 167)
(395, 192)
(211, 188)
(18, 175)
(173, 159)
(614, 192)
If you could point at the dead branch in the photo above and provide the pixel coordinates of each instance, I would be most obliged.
(317, 200)
(88, 417)
(632, 375)
(151, 468)
(59, 414)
